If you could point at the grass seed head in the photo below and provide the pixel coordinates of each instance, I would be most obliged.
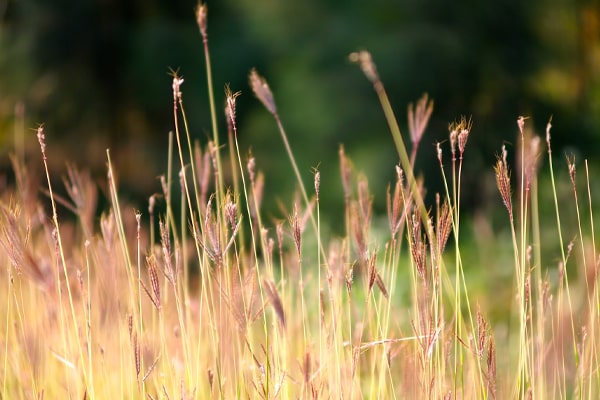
(503, 181)
(177, 82)
(444, 227)
(317, 181)
(521, 123)
(275, 301)
(262, 92)
(365, 61)
(296, 229)
(230, 99)
(201, 14)
(42, 139)
(572, 169)
(548, 127)
(418, 117)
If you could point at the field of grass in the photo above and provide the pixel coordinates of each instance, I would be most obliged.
(200, 297)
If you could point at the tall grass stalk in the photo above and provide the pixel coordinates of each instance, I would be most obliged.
(60, 260)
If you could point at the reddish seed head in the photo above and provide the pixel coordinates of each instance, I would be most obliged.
(262, 92)
(201, 12)
(364, 59)
(230, 104)
(503, 181)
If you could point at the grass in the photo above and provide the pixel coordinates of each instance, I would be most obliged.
(204, 299)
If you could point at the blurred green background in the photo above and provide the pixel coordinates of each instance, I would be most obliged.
(95, 72)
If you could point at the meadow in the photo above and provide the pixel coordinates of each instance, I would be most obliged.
(201, 296)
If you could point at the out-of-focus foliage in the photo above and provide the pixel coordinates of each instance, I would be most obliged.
(96, 73)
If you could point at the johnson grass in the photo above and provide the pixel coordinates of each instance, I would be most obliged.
(200, 296)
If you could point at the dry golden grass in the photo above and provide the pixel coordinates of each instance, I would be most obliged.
(225, 305)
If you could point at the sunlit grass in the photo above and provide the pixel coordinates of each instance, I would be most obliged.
(202, 297)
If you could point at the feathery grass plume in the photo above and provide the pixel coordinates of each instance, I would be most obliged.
(230, 98)
(572, 169)
(201, 13)
(231, 214)
(503, 182)
(165, 241)
(15, 241)
(371, 271)
(418, 118)
(257, 183)
(297, 228)
(381, 285)
(261, 90)
(26, 190)
(453, 138)
(154, 295)
(209, 239)
(482, 335)
(317, 182)
(349, 278)
(84, 194)
(521, 123)
(365, 61)
(251, 167)
(443, 226)
(418, 249)
(176, 86)
(438, 148)
(275, 301)
(464, 129)
(548, 127)
(374, 278)
(396, 206)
